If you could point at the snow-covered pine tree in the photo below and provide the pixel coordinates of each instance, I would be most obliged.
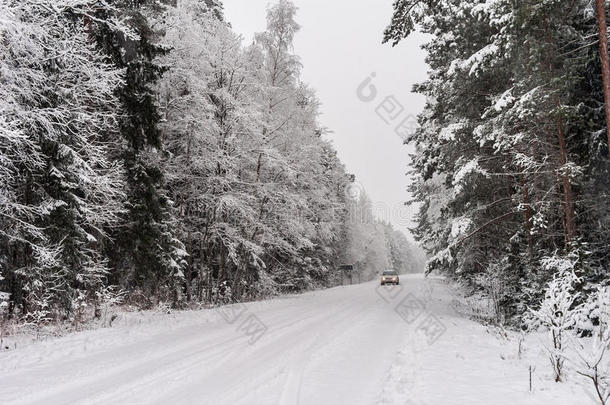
(258, 191)
(146, 252)
(59, 115)
(558, 311)
(508, 161)
(205, 97)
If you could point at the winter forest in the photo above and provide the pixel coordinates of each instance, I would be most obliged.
(170, 196)
(148, 154)
(512, 161)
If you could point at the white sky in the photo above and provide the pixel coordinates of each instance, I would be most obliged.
(340, 46)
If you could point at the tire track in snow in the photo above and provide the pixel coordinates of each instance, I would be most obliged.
(265, 362)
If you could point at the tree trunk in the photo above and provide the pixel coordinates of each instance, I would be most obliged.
(528, 215)
(258, 167)
(567, 186)
(570, 223)
(188, 273)
(603, 51)
(200, 284)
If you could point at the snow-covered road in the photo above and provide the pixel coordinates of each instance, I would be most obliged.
(352, 345)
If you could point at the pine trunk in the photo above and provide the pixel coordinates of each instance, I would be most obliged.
(569, 217)
(570, 223)
(603, 51)
(528, 215)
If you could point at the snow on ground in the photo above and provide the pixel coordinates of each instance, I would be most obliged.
(358, 344)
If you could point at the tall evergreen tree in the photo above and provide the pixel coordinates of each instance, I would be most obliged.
(60, 190)
(508, 153)
(146, 253)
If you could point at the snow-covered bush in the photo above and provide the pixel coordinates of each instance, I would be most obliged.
(106, 299)
(496, 289)
(558, 311)
(590, 356)
(4, 297)
(79, 308)
(163, 308)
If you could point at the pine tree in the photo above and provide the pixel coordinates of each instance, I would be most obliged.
(58, 123)
(146, 252)
(508, 153)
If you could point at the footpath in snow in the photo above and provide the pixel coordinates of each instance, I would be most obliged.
(360, 344)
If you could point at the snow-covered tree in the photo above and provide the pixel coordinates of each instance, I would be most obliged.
(510, 159)
(558, 311)
(257, 190)
(205, 97)
(58, 126)
(145, 149)
(590, 356)
(146, 252)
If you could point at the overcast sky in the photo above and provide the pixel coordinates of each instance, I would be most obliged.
(340, 47)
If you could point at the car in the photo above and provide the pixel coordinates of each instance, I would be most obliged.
(390, 277)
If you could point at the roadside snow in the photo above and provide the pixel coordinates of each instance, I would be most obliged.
(356, 345)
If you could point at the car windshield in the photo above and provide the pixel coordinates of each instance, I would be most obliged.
(390, 273)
